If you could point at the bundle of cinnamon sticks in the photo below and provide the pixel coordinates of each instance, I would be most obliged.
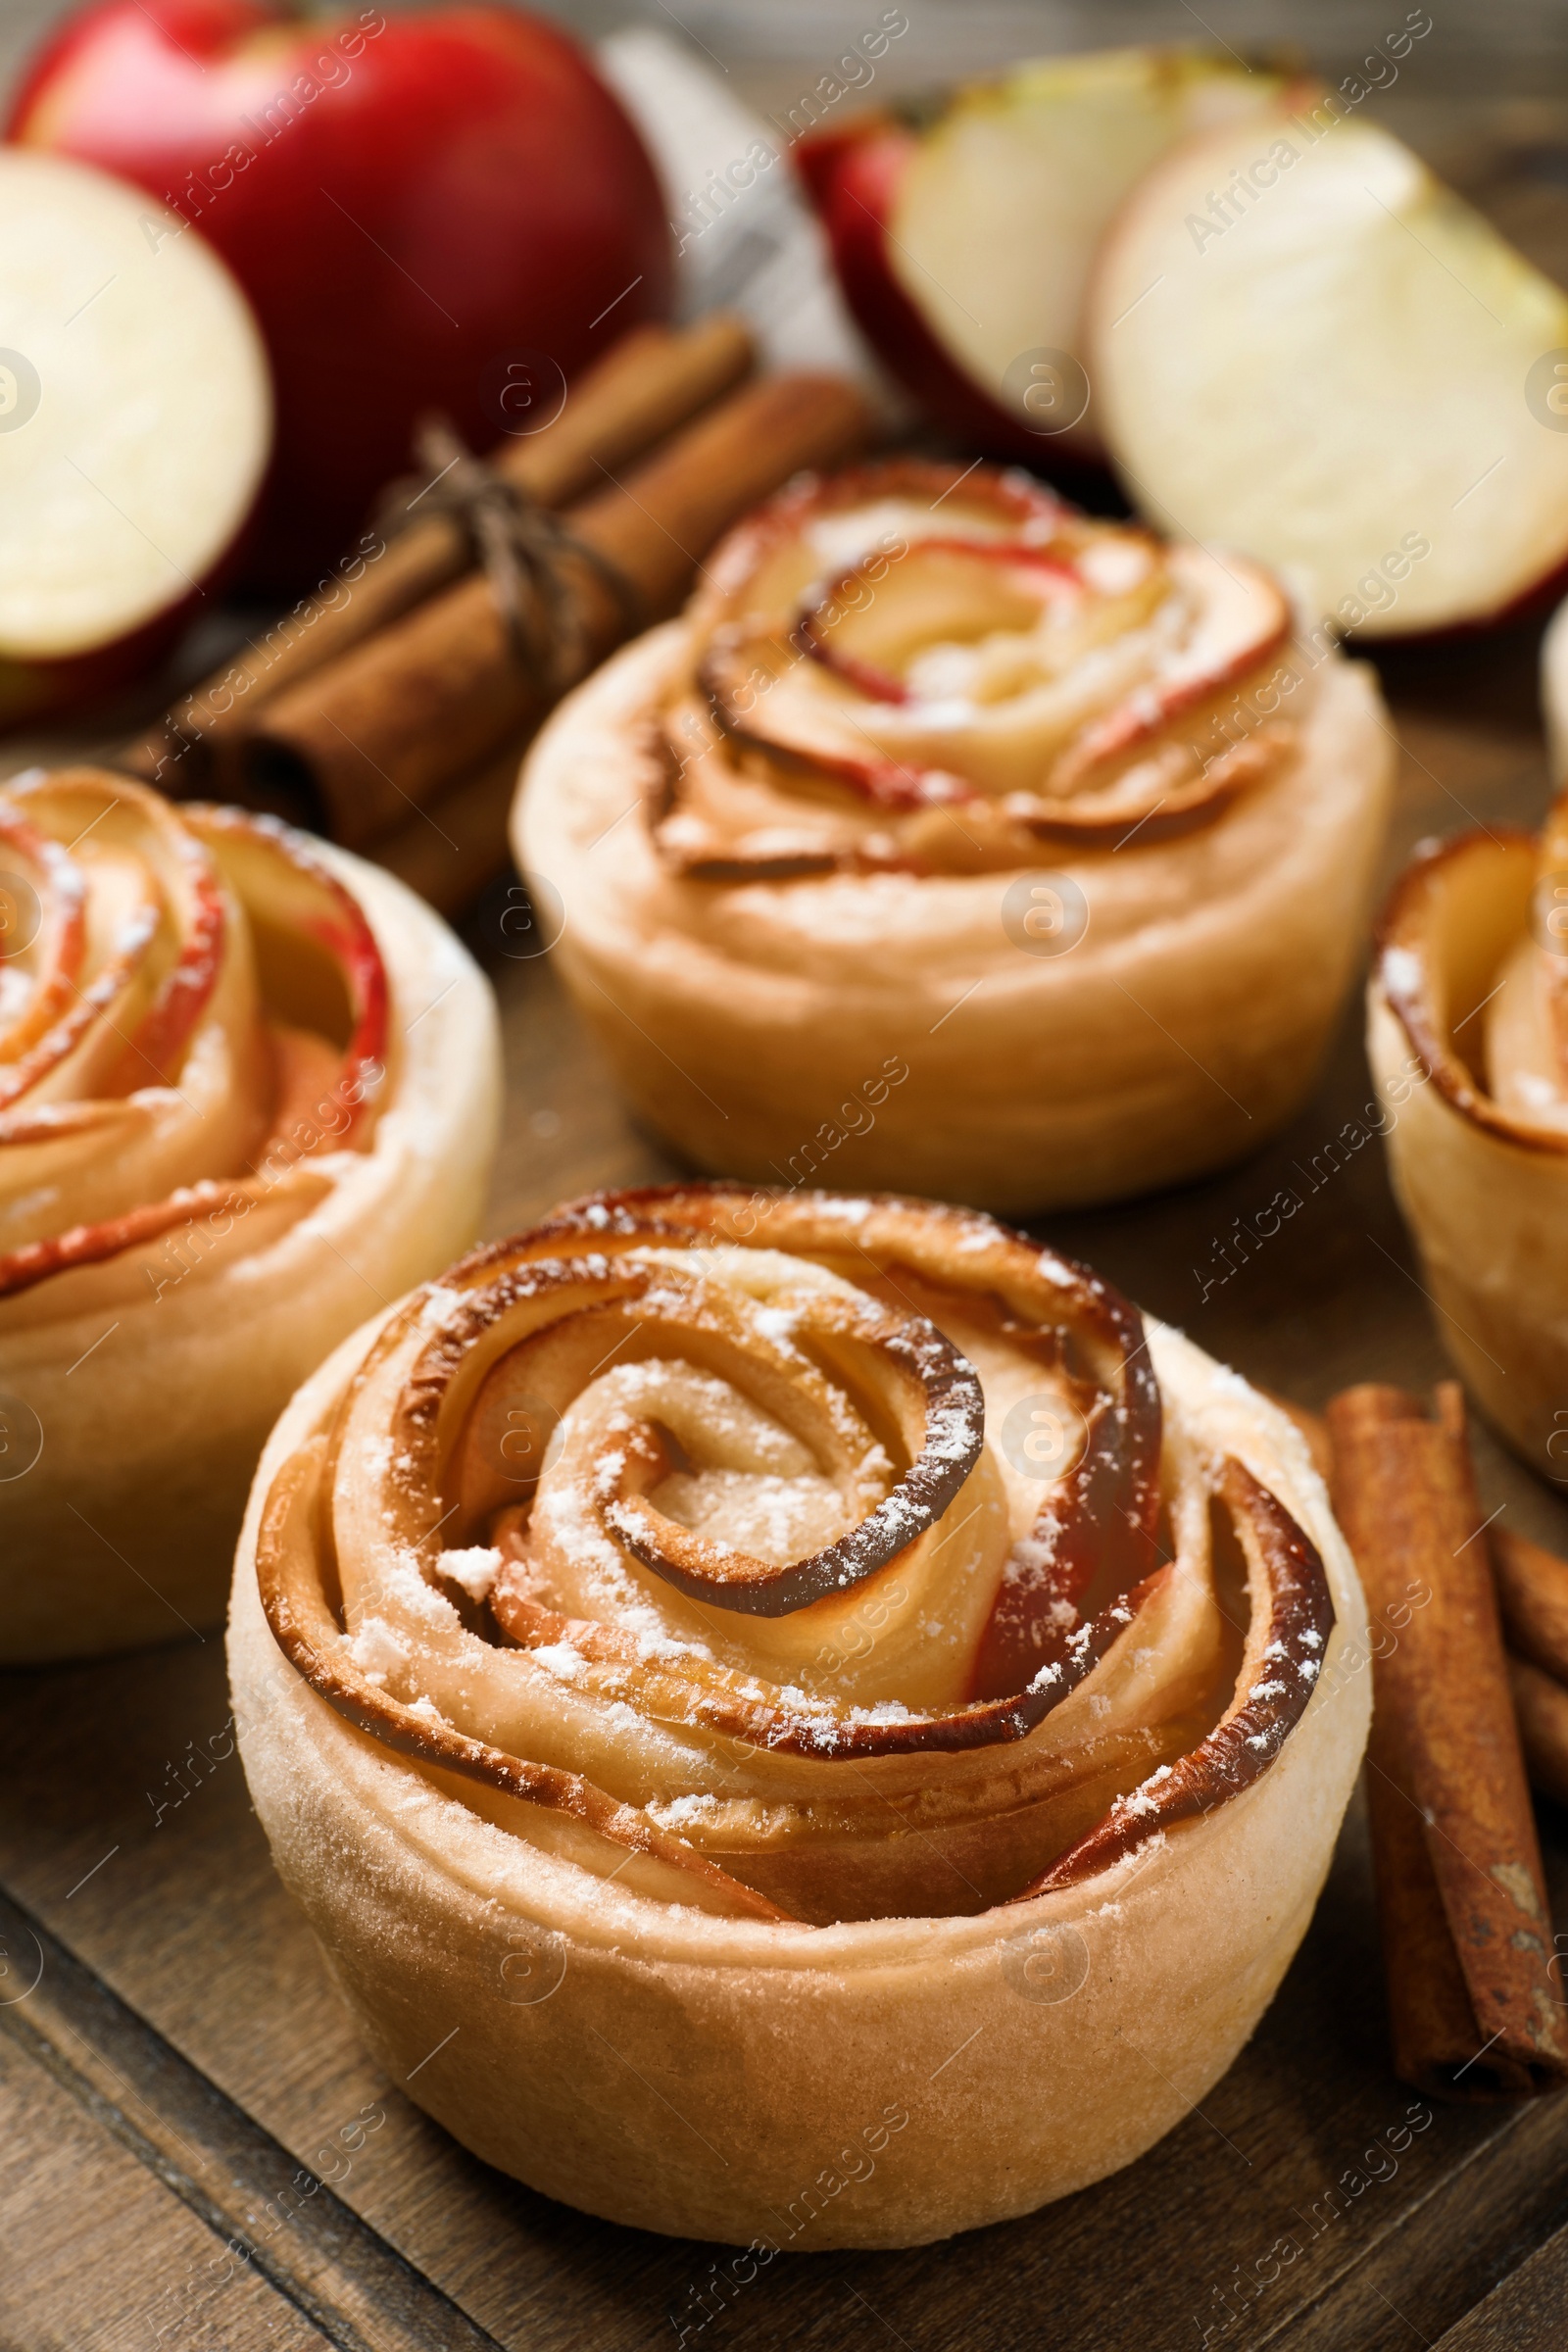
(390, 710)
(1475, 1999)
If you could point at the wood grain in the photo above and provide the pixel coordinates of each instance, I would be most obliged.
(95, 2249)
(1528, 2312)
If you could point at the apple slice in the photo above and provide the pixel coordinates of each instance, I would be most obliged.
(1305, 346)
(964, 247)
(135, 419)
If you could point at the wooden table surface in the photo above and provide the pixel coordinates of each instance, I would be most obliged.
(195, 2153)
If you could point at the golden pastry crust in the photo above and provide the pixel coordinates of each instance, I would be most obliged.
(1466, 1032)
(1056, 834)
(249, 1089)
(774, 1658)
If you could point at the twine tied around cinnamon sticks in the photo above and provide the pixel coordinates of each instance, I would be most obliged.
(529, 557)
(390, 710)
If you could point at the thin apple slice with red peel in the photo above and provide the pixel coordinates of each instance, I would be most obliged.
(137, 409)
(965, 245)
(47, 1070)
(1283, 1659)
(1243, 625)
(288, 888)
(220, 1207)
(44, 1122)
(307, 1070)
(1304, 345)
(46, 954)
(713, 1696)
(751, 677)
(158, 1074)
(157, 1046)
(773, 560)
(715, 821)
(956, 589)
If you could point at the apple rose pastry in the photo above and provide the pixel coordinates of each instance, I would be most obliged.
(749, 1687)
(1028, 851)
(1468, 1038)
(248, 1093)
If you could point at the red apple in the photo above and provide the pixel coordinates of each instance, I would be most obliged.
(415, 205)
(135, 421)
(963, 242)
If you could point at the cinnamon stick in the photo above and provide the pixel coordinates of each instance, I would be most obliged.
(1461, 1896)
(646, 387)
(450, 851)
(363, 742)
(1541, 1705)
(1533, 1596)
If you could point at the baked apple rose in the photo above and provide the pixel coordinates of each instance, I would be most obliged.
(838, 1628)
(248, 1093)
(1075, 823)
(1468, 1037)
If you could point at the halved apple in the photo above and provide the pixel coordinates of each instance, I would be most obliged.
(135, 421)
(965, 245)
(1303, 343)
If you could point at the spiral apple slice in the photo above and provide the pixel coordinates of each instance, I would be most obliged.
(308, 1635)
(779, 1379)
(151, 1100)
(928, 1393)
(1094, 1539)
(913, 667)
(1285, 1643)
(44, 943)
(1169, 737)
(1304, 345)
(719, 820)
(945, 591)
(267, 1211)
(157, 923)
(155, 1073)
(1078, 686)
(291, 897)
(545, 1328)
(775, 560)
